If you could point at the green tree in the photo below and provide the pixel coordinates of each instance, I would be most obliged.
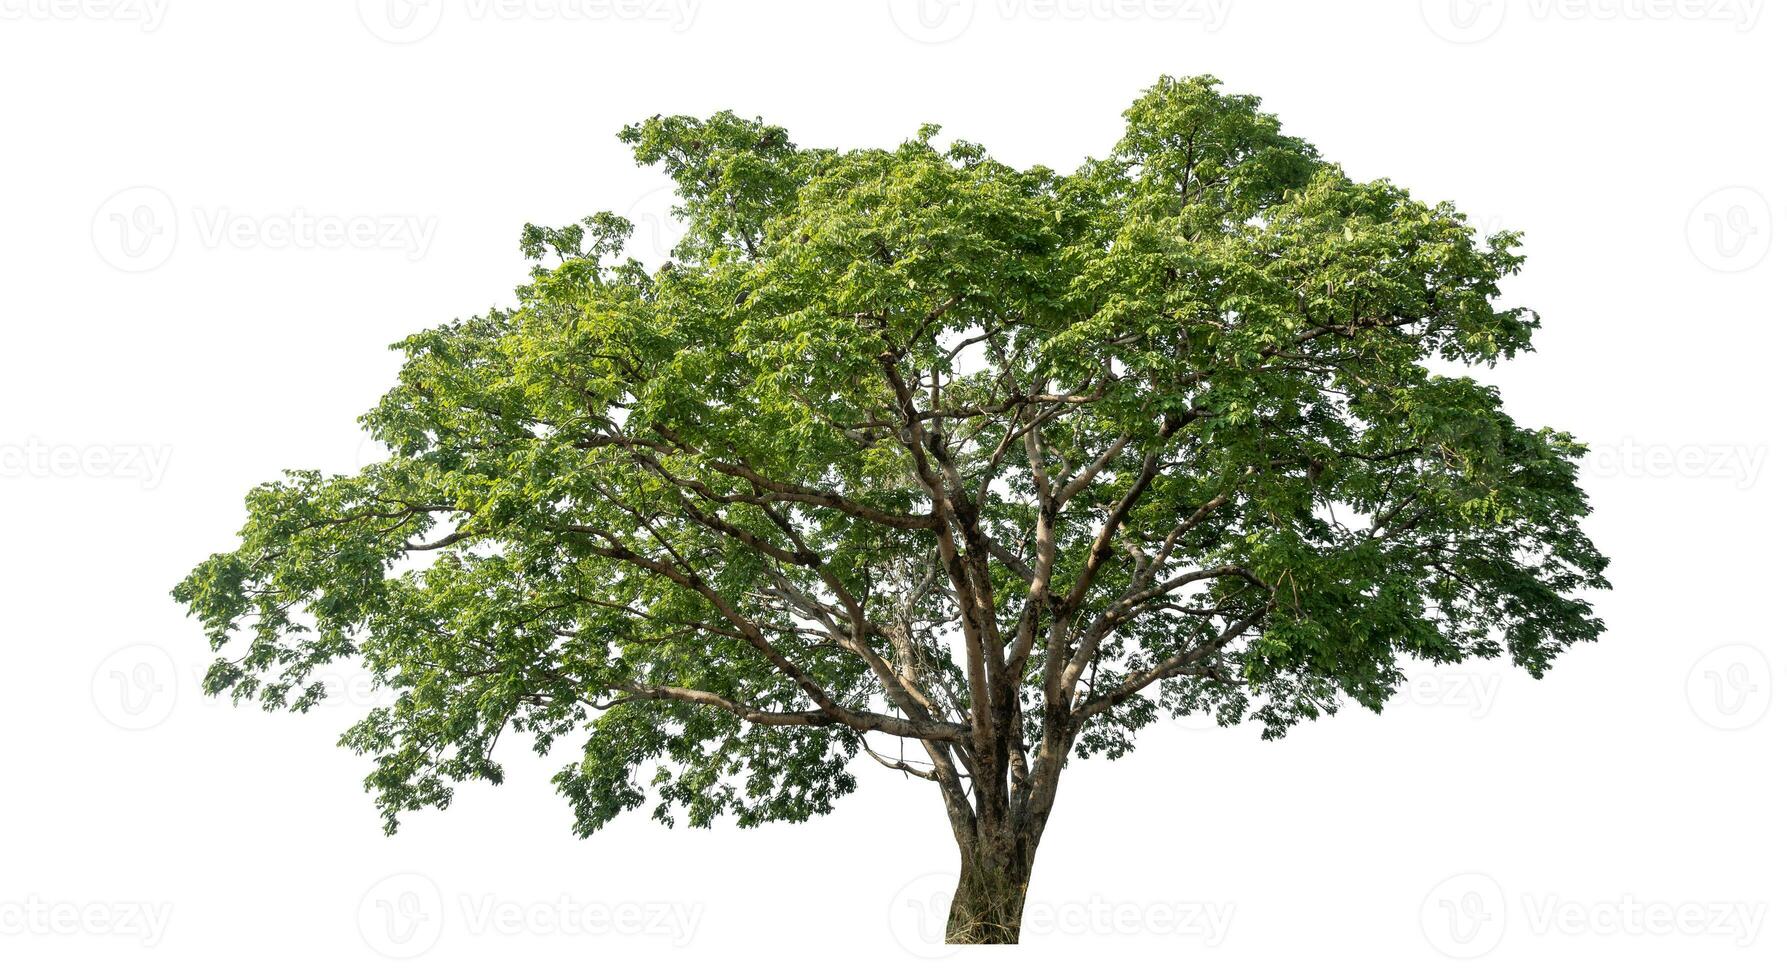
(911, 444)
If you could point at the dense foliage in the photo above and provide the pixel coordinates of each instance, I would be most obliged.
(908, 442)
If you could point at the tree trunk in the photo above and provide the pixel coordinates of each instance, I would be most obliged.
(988, 907)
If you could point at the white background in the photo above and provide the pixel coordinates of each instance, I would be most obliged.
(303, 184)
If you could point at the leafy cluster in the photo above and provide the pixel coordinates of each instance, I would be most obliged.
(909, 443)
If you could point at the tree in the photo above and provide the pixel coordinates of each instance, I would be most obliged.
(910, 444)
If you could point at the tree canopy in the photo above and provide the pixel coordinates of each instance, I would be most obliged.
(912, 443)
